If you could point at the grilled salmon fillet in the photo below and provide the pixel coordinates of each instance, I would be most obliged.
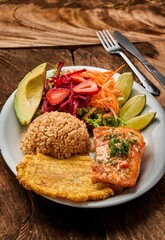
(64, 179)
(118, 155)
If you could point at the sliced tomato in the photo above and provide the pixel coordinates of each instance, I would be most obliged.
(86, 87)
(56, 96)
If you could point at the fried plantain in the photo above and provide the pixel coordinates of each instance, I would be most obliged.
(64, 179)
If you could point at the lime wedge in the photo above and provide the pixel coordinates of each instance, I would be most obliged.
(142, 121)
(133, 107)
(29, 93)
(124, 85)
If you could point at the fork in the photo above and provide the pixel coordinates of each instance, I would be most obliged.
(112, 47)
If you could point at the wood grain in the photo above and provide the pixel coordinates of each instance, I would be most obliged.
(63, 23)
(25, 215)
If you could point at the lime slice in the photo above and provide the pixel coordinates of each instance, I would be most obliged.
(29, 93)
(142, 121)
(133, 107)
(124, 85)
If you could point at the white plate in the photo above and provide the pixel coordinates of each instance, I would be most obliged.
(153, 161)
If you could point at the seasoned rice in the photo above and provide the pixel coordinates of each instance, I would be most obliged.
(57, 134)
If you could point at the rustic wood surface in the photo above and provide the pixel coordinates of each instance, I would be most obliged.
(56, 23)
(23, 214)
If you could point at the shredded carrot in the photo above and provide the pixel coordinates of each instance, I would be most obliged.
(107, 97)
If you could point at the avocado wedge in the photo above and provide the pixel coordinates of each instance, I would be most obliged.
(29, 93)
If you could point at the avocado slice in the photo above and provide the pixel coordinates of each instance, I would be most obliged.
(29, 94)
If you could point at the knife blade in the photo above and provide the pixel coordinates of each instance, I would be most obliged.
(125, 42)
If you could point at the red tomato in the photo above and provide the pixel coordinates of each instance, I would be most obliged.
(124, 164)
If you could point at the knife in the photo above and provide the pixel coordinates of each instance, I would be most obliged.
(124, 42)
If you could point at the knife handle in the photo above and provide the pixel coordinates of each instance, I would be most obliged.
(154, 72)
(150, 87)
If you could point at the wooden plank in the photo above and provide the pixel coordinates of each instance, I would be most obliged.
(63, 23)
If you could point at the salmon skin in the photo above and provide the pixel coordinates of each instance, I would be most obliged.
(118, 155)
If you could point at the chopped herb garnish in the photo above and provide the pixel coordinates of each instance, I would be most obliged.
(118, 147)
(124, 148)
(106, 137)
(132, 141)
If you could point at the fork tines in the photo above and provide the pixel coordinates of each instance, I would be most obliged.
(106, 39)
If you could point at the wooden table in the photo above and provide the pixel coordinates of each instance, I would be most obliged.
(50, 31)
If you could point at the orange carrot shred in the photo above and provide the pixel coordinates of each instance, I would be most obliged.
(107, 97)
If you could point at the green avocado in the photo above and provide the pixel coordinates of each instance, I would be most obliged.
(29, 93)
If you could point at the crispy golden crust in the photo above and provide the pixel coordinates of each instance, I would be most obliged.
(66, 179)
(118, 170)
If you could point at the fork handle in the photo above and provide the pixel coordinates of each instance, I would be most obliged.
(150, 87)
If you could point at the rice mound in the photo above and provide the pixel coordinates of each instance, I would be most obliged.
(57, 134)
